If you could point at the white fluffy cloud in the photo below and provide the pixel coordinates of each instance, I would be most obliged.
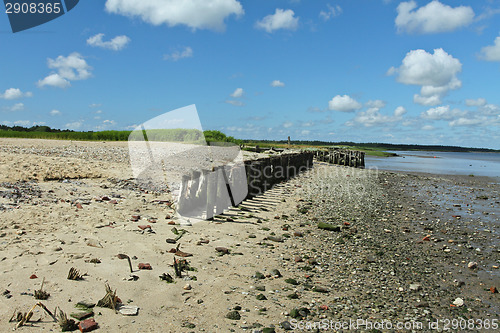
(436, 74)
(15, 93)
(55, 113)
(70, 68)
(442, 113)
(15, 107)
(74, 125)
(237, 93)
(373, 117)
(196, 14)
(475, 102)
(287, 124)
(344, 103)
(186, 52)
(235, 103)
(281, 19)
(277, 83)
(115, 44)
(491, 52)
(331, 12)
(432, 18)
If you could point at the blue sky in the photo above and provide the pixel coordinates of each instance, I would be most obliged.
(424, 72)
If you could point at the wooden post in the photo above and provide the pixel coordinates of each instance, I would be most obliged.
(183, 195)
(211, 194)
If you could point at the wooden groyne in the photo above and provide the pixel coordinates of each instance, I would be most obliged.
(206, 193)
(352, 158)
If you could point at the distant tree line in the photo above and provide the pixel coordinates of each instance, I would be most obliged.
(373, 145)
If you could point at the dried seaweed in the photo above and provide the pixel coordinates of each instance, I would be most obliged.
(66, 324)
(110, 300)
(40, 294)
(74, 274)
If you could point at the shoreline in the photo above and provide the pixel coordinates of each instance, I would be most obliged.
(375, 266)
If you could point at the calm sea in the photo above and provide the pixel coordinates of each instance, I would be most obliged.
(477, 164)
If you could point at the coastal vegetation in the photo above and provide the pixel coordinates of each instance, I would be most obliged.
(196, 136)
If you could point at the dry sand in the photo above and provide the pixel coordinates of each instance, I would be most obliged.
(53, 218)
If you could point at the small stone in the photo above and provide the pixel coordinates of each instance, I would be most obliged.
(472, 265)
(144, 227)
(319, 289)
(233, 315)
(33, 277)
(292, 281)
(286, 326)
(187, 286)
(222, 250)
(135, 218)
(88, 325)
(79, 206)
(458, 302)
(261, 297)
(298, 259)
(415, 286)
(171, 241)
(268, 330)
(494, 290)
(275, 273)
(298, 234)
(259, 275)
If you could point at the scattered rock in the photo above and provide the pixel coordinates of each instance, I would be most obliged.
(472, 265)
(233, 315)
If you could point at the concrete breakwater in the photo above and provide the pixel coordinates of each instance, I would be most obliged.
(352, 158)
(206, 193)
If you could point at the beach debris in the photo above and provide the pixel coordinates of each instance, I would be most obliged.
(82, 315)
(110, 300)
(145, 266)
(233, 315)
(179, 233)
(6, 293)
(66, 324)
(124, 256)
(129, 310)
(472, 265)
(94, 261)
(328, 226)
(494, 290)
(74, 274)
(88, 325)
(458, 302)
(23, 318)
(33, 276)
(171, 241)
(427, 238)
(40, 293)
(167, 277)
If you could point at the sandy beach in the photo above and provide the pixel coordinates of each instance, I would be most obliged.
(406, 248)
